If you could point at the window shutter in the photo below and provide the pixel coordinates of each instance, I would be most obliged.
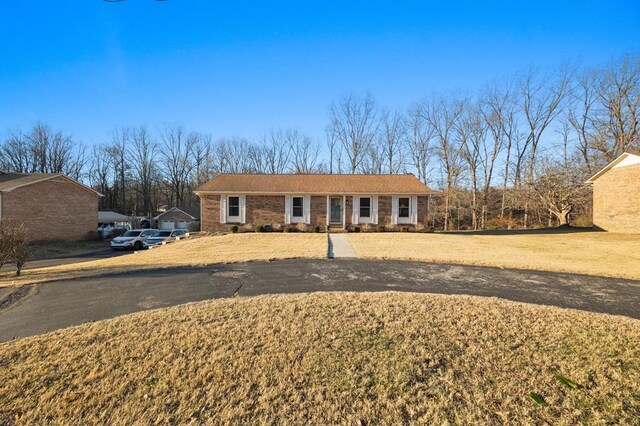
(243, 210)
(307, 209)
(394, 210)
(355, 214)
(223, 209)
(287, 209)
(328, 207)
(374, 209)
(414, 210)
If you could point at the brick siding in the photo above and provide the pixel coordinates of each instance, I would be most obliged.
(616, 200)
(264, 209)
(54, 209)
(267, 209)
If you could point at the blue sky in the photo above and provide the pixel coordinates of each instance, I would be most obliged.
(236, 68)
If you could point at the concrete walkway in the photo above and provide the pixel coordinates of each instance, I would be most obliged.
(339, 247)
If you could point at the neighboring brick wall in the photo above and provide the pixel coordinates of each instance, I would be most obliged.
(54, 209)
(616, 200)
(264, 209)
(175, 216)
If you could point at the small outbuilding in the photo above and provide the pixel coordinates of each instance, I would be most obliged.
(186, 217)
(616, 195)
(52, 206)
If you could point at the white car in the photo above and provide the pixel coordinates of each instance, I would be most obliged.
(107, 229)
(132, 240)
(161, 237)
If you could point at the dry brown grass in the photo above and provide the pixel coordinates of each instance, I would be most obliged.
(591, 253)
(329, 358)
(200, 251)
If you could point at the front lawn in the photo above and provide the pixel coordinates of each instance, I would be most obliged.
(591, 253)
(200, 251)
(330, 358)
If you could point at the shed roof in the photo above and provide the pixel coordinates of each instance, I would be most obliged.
(109, 216)
(314, 184)
(193, 211)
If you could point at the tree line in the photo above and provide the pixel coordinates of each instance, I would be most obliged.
(514, 154)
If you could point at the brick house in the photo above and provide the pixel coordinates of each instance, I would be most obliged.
(51, 205)
(616, 195)
(186, 217)
(312, 199)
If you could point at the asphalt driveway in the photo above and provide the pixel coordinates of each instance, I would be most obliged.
(40, 308)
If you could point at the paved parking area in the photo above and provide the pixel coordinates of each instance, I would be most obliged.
(45, 307)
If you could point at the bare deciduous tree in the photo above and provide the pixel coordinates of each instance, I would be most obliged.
(392, 140)
(442, 116)
(354, 124)
(418, 138)
(143, 152)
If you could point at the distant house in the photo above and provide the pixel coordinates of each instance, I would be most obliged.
(186, 217)
(312, 199)
(616, 195)
(51, 205)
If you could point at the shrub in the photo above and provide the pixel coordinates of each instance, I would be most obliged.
(233, 229)
(355, 229)
(367, 227)
(259, 228)
(404, 229)
(301, 227)
(14, 244)
(380, 228)
(317, 229)
(21, 250)
(288, 229)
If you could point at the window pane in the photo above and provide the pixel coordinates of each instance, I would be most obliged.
(403, 207)
(365, 207)
(234, 206)
(297, 206)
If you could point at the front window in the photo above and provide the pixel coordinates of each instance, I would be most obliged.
(365, 207)
(161, 234)
(297, 204)
(403, 207)
(234, 206)
(131, 234)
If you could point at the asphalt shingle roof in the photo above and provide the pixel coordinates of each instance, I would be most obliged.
(315, 184)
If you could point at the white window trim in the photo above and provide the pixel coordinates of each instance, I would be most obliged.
(289, 218)
(413, 211)
(298, 219)
(373, 210)
(225, 217)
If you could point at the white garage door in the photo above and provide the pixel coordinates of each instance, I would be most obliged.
(166, 224)
(183, 224)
